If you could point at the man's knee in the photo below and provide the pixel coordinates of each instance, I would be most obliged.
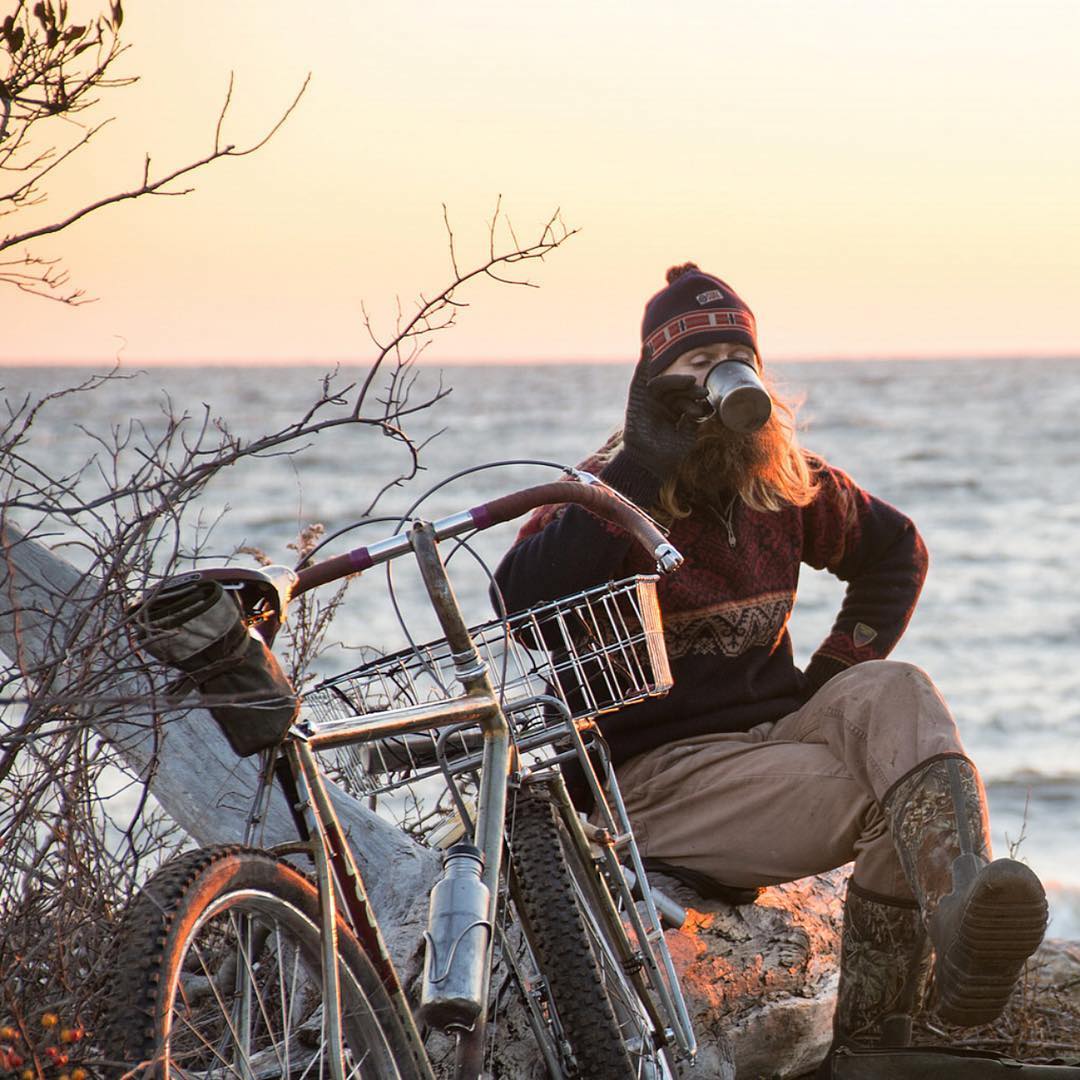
(907, 714)
(891, 694)
(892, 672)
(887, 680)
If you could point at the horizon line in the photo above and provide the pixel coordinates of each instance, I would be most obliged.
(452, 361)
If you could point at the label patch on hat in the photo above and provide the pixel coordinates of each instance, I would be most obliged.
(863, 634)
(710, 297)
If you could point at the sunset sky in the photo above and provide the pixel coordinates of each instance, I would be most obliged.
(875, 178)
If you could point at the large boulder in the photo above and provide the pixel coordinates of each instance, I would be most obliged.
(760, 982)
(760, 979)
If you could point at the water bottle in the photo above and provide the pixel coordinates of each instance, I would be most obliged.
(738, 396)
(457, 941)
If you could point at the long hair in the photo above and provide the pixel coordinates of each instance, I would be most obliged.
(768, 470)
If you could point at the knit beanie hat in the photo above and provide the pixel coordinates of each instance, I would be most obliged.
(695, 309)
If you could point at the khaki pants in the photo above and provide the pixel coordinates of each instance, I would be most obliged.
(799, 796)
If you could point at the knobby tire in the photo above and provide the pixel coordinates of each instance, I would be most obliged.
(218, 976)
(607, 1044)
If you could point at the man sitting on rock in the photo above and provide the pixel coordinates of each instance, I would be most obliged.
(752, 772)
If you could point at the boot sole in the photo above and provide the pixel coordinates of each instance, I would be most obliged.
(1002, 924)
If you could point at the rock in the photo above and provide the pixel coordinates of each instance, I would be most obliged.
(760, 982)
(760, 979)
(1056, 967)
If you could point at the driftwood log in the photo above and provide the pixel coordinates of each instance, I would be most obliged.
(760, 979)
(191, 771)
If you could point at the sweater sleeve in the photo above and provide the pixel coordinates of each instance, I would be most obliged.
(879, 553)
(563, 549)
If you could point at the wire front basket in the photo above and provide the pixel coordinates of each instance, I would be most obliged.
(576, 657)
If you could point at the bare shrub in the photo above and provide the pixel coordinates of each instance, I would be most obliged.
(128, 515)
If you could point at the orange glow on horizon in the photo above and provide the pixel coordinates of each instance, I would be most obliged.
(889, 180)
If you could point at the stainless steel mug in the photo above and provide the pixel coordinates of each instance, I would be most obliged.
(738, 396)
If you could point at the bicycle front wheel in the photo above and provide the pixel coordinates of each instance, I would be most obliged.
(600, 1012)
(219, 976)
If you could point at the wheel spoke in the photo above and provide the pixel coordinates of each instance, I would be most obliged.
(236, 980)
(252, 988)
(192, 1027)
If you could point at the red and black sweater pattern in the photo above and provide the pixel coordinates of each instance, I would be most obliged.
(726, 609)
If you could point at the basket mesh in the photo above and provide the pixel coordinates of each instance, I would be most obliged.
(594, 651)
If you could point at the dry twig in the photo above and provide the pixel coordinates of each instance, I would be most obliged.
(128, 510)
(55, 69)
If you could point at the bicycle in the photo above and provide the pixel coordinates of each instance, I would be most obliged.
(235, 963)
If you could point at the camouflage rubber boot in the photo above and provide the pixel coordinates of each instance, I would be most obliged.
(884, 964)
(984, 918)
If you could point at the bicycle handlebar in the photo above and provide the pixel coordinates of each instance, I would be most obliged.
(587, 493)
(596, 498)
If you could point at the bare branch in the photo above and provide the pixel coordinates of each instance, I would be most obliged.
(21, 194)
(148, 186)
(224, 110)
(277, 127)
(55, 69)
(438, 312)
(131, 506)
(450, 239)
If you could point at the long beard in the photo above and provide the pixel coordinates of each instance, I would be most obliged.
(724, 463)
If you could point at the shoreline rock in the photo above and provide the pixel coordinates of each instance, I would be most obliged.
(760, 979)
(760, 982)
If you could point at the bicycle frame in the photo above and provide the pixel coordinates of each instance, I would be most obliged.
(339, 881)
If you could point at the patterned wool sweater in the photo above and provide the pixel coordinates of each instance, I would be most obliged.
(726, 609)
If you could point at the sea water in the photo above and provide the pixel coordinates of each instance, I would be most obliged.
(983, 455)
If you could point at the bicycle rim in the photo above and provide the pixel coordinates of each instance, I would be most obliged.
(248, 1001)
(220, 978)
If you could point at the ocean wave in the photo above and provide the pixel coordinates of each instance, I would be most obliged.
(1035, 778)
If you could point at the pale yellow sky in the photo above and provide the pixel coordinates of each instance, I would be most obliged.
(875, 178)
